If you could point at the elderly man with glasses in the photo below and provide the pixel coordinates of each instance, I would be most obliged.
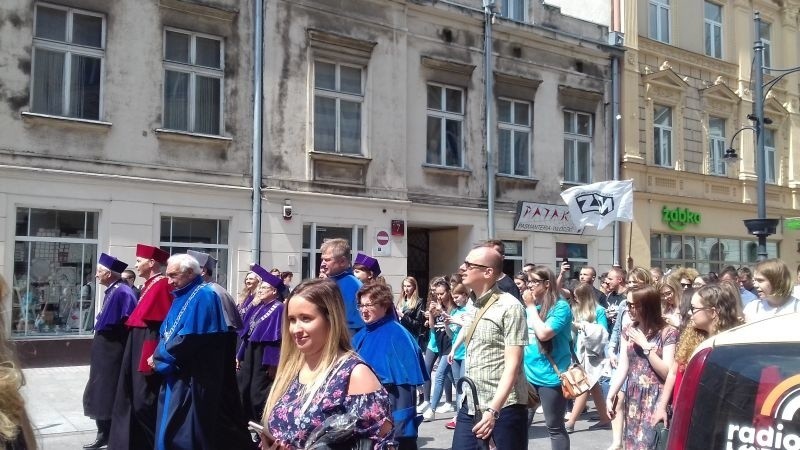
(495, 344)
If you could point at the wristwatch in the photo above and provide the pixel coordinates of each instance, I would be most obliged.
(646, 350)
(495, 414)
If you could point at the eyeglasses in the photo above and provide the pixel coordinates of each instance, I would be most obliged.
(686, 285)
(693, 309)
(468, 265)
(367, 305)
(536, 281)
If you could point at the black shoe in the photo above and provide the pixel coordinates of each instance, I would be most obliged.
(99, 443)
(601, 426)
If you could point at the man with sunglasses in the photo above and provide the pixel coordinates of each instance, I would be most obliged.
(494, 360)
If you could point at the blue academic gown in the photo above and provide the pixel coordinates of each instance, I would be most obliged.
(349, 286)
(198, 406)
(395, 356)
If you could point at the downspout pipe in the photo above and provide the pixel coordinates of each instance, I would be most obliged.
(258, 83)
(615, 146)
(488, 6)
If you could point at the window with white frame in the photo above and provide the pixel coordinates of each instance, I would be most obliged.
(769, 155)
(765, 34)
(662, 136)
(713, 29)
(54, 290)
(514, 9)
(445, 126)
(315, 234)
(68, 54)
(577, 147)
(338, 99)
(514, 137)
(193, 82)
(716, 146)
(659, 20)
(179, 234)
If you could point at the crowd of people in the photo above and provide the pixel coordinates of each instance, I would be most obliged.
(344, 360)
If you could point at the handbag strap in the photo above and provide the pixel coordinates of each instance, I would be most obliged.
(474, 324)
(549, 358)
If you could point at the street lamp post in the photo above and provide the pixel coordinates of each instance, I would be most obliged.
(761, 227)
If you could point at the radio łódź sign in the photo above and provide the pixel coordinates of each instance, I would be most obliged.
(678, 218)
(544, 217)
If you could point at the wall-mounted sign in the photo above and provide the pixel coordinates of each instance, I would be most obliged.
(791, 223)
(398, 227)
(544, 217)
(678, 218)
(383, 246)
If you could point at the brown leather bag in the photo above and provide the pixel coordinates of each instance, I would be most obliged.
(574, 380)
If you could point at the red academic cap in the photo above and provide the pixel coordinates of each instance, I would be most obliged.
(150, 252)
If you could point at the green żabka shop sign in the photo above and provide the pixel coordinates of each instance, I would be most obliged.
(678, 218)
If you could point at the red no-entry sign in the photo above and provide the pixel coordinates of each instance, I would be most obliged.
(382, 237)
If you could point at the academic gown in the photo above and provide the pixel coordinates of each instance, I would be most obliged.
(259, 348)
(197, 395)
(108, 347)
(133, 422)
(396, 358)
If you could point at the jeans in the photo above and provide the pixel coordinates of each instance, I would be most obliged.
(444, 374)
(510, 432)
(430, 359)
(555, 406)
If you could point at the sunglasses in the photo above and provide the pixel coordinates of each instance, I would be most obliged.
(468, 265)
(686, 285)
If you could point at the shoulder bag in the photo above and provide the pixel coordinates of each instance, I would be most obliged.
(574, 380)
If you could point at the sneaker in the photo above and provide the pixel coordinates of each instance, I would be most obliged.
(450, 425)
(422, 407)
(428, 415)
(540, 410)
(445, 408)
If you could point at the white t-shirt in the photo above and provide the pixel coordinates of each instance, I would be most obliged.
(760, 309)
(796, 292)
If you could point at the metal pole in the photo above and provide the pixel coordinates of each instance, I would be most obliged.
(615, 141)
(488, 93)
(258, 43)
(758, 106)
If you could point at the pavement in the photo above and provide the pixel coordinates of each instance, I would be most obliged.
(54, 399)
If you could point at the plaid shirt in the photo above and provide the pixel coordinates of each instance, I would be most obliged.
(502, 325)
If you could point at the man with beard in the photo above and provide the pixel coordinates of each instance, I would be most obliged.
(136, 399)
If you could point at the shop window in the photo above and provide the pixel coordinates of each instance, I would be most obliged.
(512, 263)
(179, 234)
(706, 254)
(53, 286)
(577, 254)
(514, 137)
(445, 140)
(193, 79)
(313, 237)
(68, 54)
(338, 100)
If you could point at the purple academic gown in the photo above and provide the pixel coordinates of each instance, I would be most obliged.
(108, 346)
(195, 403)
(260, 345)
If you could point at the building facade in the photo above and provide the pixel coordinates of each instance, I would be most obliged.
(129, 121)
(687, 89)
(379, 111)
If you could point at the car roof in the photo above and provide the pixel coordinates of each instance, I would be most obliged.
(776, 329)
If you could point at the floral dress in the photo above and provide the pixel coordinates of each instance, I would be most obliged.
(286, 423)
(643, 389)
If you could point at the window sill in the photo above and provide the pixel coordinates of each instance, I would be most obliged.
(69, 122)
(516, 180)
(568, 184)
(186, 136)
(446, 170)
(339, 157)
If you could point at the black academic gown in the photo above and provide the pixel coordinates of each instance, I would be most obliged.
(108, 347)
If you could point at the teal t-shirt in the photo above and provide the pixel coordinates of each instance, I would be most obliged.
(461, 351)
(538, 369)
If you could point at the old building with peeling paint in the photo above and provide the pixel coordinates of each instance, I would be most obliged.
(133, 121)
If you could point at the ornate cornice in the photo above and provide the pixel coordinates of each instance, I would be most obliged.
(681, 56)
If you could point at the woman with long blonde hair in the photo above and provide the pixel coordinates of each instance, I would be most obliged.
(411, 311)
(319, 375)
(16, 431)
(248, 292)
